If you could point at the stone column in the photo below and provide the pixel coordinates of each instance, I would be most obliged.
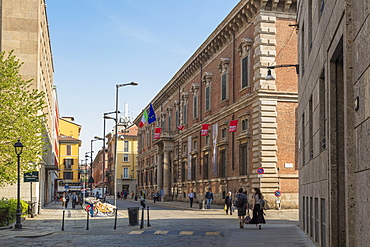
(159, 171)
(166, 176)
(168, 147)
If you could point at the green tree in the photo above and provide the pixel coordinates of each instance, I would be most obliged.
(21, 117)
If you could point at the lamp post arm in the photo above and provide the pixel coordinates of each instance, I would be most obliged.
(284, 66)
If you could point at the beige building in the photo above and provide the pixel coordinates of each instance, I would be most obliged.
(24, 29)
(334, 121)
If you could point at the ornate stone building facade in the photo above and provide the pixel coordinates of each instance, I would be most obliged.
(224, 80)
(334, 121)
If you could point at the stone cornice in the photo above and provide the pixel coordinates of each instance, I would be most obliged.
(240, 17)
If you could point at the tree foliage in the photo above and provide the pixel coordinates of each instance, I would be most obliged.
(21, 118)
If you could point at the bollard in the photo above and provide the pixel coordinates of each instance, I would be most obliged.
(148, 218)
(115, 219)
(87, 223)
(63, 220)
(142, 219)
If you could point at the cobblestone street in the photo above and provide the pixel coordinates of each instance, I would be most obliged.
(172, 224)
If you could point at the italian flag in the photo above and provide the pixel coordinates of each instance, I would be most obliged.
(144, 119)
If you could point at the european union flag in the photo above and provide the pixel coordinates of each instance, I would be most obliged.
(151, 115)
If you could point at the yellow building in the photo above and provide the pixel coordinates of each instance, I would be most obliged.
(126, 178)
(69, 144)
(126, 160)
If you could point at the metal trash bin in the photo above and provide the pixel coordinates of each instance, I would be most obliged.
(133, 216)
(201, 204)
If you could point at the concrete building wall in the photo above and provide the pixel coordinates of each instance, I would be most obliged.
(333, 121)
(24, 29)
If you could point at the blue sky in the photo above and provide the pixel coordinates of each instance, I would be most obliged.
(97, 44)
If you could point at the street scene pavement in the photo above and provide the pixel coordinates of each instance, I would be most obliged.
(170, 224)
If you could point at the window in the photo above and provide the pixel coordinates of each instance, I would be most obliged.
(323, 223)
(322, 99)
(310, 24)
(177, 119)
(195, 106)
(68, 150)
(222, 168)
(125, 157)
(244, 154)
(245, 79)
(169, 123)
(185, 114)
(147, 138)
(208, 98)
(68, 175)
(193, 168)
(183, 171)
(125, 146)
(310, 127)
(317, 222)
(207, 140)
(223, 133)
(304, 213)
(195, 144)
(303, 46)
(205, 166)
(303, 141)
(125, 172)
(224, 68)
(68, 163)
(163, 122)
(245, 124)
(223, 87)
(311, 217)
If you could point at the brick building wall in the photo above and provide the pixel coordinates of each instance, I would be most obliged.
(241, 47)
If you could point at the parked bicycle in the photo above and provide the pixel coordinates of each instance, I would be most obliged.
(98, 206)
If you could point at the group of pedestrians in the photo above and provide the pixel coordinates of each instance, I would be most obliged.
(76, 199)
(241, 203)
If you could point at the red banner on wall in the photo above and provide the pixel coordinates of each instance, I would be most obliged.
(157, 133)
(204, 129)
(233, 124)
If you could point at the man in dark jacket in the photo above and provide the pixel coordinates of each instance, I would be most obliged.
(209, 197)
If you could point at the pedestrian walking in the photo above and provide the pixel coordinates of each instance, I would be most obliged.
(74, 200)
(209, 197)
(191, 198)
(229, 203)
(257, 218)
(241, 202)
(66, 200)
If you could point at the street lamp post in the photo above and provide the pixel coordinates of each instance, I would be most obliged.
(105, 116)
(133, 83)
(86, 173)
(18, 150)
(96, 138)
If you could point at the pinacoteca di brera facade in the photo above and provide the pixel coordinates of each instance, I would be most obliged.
(224, 82)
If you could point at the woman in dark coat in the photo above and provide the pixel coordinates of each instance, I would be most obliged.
(229, 203)
(258, 218)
